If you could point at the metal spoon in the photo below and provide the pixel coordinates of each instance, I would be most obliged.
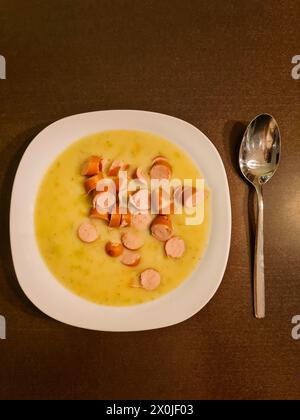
(259, 158)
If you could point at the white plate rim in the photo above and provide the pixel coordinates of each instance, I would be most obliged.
(175, 307)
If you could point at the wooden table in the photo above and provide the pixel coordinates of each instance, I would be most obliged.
(215, 64)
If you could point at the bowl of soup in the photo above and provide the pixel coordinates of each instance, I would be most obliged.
(120, 220)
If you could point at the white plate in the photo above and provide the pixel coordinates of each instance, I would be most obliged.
(48, 294)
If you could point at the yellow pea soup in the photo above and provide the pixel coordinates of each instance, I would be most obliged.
(62, 206)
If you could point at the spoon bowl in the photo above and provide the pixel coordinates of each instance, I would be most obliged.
(259, 159)
(260, 149)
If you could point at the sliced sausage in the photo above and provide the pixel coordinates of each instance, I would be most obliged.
(115, 218)
(114, 248)
(162, 202)
(126, 220)
(99, 197)
(92, 166)
(140, 201)
(90, 184)
(104, 201)
(188, 196)
(192, 197)
(161, 228)
(132, 240)
(161, 170)
(103, 164)
(167, 209)
(87, 233)
(159, 159)
(178, 195)
(121, 184)
(116, 167)
(140, 176)
(95, 214)
(141, 221)
(106, 184)
(130, 258)
(175, 247)
(150, 279)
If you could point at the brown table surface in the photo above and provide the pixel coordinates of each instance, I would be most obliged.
(215, 64)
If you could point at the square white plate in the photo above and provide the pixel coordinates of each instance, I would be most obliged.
(48, 294)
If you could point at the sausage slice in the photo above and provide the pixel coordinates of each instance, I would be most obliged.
(125, 220)
(141, 221)
(159, 159)
(114, 248)
(140, 176)
(116, 167)
(92, 166)
(132, 240)
(161, 170)
(140, 200)
(188, 196)
(96, 214)
(150, 279)
(104, 201)
(103, 164)
(130, 258)
(162, 201)
(115, 219)
(90, 184)
(87, 233)
(175, 247)
(121, 184)
(161, 228)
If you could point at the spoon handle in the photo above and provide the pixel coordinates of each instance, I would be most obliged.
(259, 274)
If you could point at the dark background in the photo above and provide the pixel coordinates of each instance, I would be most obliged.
(215, 64)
